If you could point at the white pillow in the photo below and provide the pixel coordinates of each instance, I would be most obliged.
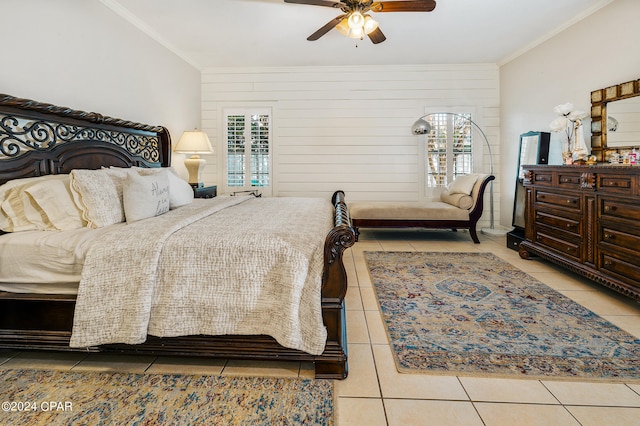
(52, 201)
(17, 211)
(95, 193)
(463, 184)
(145, 196)
(180, 192)
(462, 201)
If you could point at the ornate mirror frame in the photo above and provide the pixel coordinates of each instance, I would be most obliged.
(599, 100)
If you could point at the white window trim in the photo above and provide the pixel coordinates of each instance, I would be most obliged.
(222, 146)
(477, 149)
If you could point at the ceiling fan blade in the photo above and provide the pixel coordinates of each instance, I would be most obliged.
(376, 36)
(404, 6)
(325, 3)
(328, 27)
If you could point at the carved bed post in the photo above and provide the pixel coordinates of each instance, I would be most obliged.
(334, 288)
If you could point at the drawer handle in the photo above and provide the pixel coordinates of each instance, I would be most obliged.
(609, 208)
(608, 237)
(571, 201)
(565, 180)
(608, 263)
(571, 225)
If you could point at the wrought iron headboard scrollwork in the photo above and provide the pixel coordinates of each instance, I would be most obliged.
(37, 138)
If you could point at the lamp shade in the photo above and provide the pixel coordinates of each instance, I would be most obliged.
(421, 127)
(195, 142)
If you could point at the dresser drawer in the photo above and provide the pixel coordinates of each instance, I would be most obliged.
(569, 180)
(621, 210)
(563, 200)
(559, 222)
(543, 178)
(619, 238)
(563, 246)
(619, 268)
(614, 183)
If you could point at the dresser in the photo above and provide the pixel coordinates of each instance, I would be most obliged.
(586, 219)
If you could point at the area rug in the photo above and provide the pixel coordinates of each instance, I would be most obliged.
(475, 314)
(32, 397)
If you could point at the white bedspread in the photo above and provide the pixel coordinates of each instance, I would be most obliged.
(231, 265)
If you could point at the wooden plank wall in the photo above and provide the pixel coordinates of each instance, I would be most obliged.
(348, 127)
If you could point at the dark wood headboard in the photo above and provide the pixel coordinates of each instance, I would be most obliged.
(39, 139)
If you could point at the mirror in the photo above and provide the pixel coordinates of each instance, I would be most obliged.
(623, 122)
(534, 149)
(615, 119)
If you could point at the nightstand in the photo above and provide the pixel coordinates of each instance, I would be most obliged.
(205, 191)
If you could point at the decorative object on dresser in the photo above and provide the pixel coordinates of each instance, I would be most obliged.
(43, 142)
(534, 149)
(205, 191)
(586, 219)
(569, 123)
(615, 111)
(195, 143)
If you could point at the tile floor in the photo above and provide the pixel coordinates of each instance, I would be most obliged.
(376, 394)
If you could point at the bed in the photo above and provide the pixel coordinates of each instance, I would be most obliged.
(299, 296)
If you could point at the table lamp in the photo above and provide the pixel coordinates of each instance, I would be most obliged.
(194, 142)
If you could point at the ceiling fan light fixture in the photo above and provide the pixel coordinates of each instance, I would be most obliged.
(356, 33)
(370, 24)
(356, 20)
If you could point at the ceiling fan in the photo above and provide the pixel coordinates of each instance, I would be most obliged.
(355, 22)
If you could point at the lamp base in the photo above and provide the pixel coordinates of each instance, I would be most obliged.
(495, 231)
(194, 165)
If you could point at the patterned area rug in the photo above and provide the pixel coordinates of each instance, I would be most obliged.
(86, 398)
(474, 314)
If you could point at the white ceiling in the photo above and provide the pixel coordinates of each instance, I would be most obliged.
(257, 33)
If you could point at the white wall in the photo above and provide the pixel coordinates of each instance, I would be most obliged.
(80, 54)
(597, 52)
(349, 127)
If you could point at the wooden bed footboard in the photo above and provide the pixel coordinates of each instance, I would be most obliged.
(38, 139)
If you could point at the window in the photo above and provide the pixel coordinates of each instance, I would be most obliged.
(449, 148)
(248, 150)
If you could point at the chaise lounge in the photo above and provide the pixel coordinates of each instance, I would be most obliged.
(460, 207)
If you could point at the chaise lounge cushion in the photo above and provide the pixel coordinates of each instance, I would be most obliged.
(432, 210)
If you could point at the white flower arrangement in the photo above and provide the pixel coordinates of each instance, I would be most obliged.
(569, 122)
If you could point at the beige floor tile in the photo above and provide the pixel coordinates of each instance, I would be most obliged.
(360, 412)
(369, 300)
(353, 300)
(45, 360)
(104, 362)
(186, 365)
(561, 281)
(498, 414)
(635, 387)
(507, 390)
(419, 386)
(628, 323)
(261, 368)
(362, 380)
(357, 327)
(307, 370)
(403, 412)
(604, 302)
(603, 416)
(605, 394)
(6, 355)
(396, 246)
(377, 330)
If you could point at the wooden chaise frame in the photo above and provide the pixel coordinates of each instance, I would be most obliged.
(39, 139)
